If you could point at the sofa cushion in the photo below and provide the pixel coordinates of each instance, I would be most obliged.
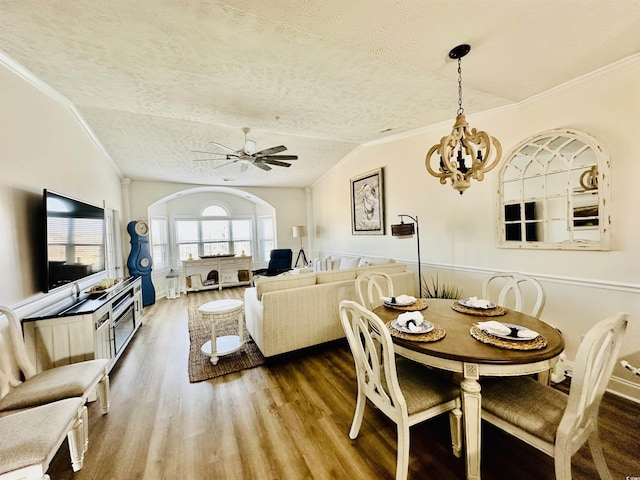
(335, 276)
(283, 282)
(389, 268)
(367, 261)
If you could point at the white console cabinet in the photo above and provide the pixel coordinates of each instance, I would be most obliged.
(93, 326)
(216, 272)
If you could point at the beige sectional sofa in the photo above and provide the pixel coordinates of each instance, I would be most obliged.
(290, 312)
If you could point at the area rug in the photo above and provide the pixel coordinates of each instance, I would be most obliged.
(200, 367)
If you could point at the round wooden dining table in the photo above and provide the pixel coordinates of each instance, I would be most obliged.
(458, 351)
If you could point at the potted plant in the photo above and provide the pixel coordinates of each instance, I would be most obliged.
(437, 289)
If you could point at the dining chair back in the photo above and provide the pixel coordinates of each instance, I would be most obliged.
(79, 379)
(405, 391)
(556, 423)
(514, 290)
(371, 286)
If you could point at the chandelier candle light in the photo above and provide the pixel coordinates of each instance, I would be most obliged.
(465, 153)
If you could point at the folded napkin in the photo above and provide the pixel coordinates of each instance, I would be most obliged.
(476, 302)
(497, 328)
(400, 299)
(410, 320)
(527, 334)
(494, 327)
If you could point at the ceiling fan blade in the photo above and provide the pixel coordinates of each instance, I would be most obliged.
(225, 164)
(273, 162)
(269, 151)
(244, 166)
(261, 165)
(278, 157)
(209, 153)
(225, 156)
(224, 147)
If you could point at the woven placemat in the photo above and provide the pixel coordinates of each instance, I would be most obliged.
(480, 312)
(419, 304)
(434, 335)
(484, 337)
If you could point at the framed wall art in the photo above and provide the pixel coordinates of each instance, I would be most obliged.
(367, 204)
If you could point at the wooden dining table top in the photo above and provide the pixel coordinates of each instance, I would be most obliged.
(459, 345)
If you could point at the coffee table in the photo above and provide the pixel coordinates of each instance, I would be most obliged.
(219, 310)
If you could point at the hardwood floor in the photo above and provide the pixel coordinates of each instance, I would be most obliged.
(288, 419)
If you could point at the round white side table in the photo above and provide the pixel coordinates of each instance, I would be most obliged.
(218, 310)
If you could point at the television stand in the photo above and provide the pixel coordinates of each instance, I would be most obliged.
(96, 325)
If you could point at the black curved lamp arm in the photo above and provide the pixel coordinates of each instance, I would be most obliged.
(415, 219)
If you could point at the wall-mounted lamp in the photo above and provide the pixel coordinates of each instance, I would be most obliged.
(300, 231)
(406, 230)
(465, 153)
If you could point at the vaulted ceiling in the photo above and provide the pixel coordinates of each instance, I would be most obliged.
(157, 79)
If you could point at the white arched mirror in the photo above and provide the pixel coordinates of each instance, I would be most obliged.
(554, 190)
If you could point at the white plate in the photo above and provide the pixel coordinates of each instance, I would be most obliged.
(424, 327)
(466, 303)
(388, 303)
(509, 337)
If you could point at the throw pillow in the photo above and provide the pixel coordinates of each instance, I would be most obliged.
(348, 262)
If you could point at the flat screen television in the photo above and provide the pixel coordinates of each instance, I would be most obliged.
(75, 240)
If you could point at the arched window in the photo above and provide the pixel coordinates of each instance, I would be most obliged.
(215, 211)
(215, 232)
(554, 189)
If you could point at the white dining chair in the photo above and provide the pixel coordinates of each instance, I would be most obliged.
(550, 420)
(79, 379)
(371, 286)
(29, 439)
(403, 390)
(510, 289)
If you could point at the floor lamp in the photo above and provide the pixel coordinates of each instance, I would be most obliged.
(299, 232)
(406, 230)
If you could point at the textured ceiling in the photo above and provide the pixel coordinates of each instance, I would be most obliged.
(156, 79)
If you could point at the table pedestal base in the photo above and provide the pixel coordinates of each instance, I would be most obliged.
(471, 411)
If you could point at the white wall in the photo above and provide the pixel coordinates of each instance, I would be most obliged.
(43, 144)
(459, 233)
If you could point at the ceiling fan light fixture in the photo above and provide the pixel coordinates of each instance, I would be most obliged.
(249, 147)
(465, 153)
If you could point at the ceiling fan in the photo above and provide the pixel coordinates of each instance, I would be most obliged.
(247, 155)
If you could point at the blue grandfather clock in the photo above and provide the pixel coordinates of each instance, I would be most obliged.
(139, 262)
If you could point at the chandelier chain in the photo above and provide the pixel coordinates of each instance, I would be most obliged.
(460, 109)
